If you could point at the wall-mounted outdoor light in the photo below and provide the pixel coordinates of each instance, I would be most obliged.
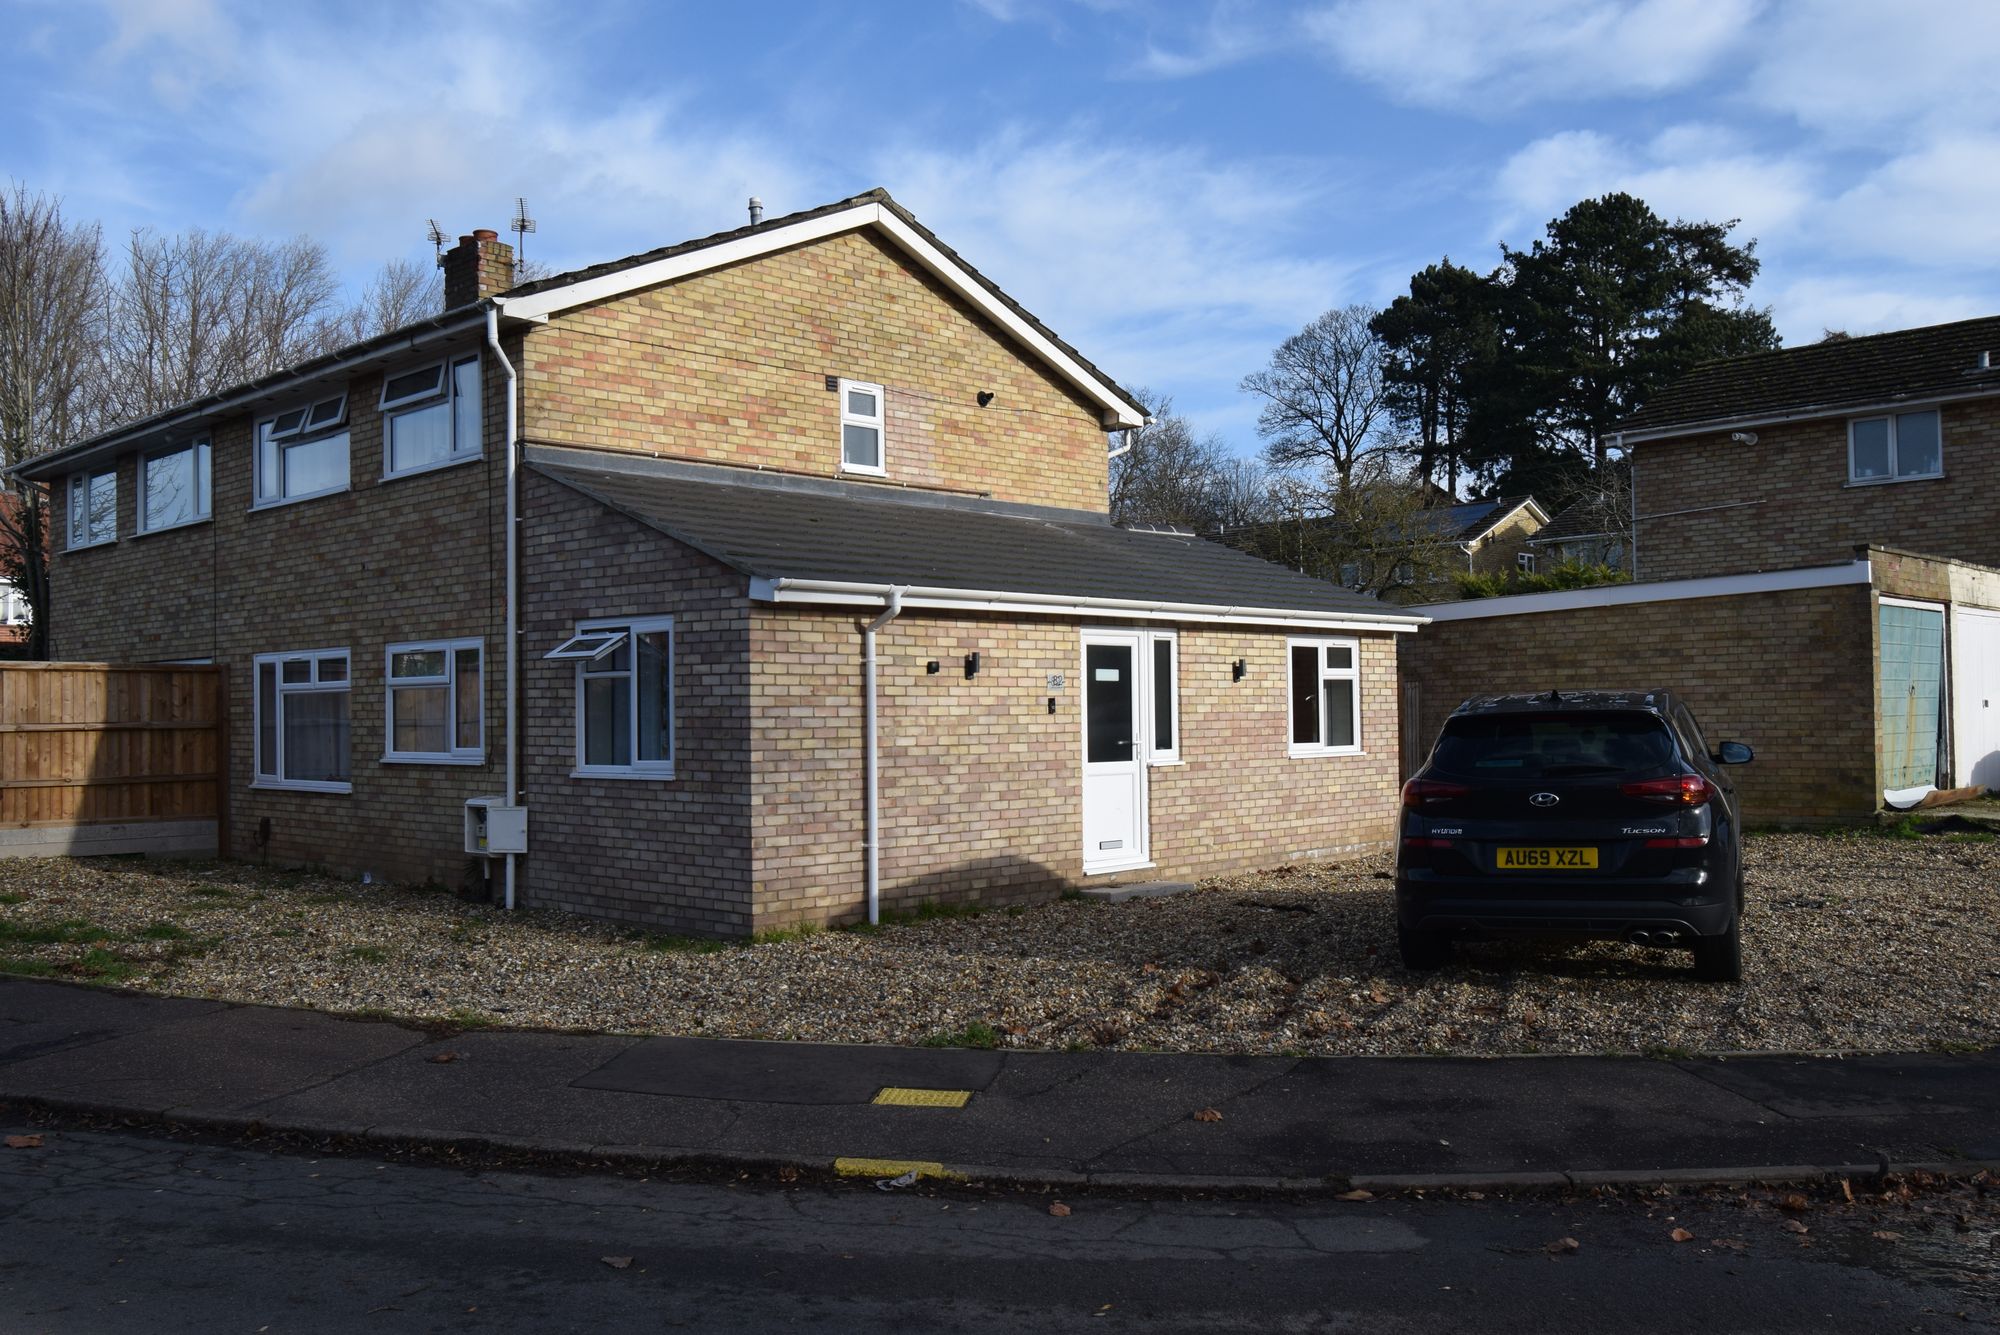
(972, 665)
(985, 397)
(1238, 669)
(931, 667)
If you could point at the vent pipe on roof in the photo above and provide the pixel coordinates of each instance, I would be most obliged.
(756, 211)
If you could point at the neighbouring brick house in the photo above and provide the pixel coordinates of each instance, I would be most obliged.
(1814, 552)
(818, 599)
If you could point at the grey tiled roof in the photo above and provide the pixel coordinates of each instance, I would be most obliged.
(1587, 516)
(790, 528)
(1909, 364)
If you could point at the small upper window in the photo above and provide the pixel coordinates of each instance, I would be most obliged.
(93, 508)
(174, 487)
(303, 452)
(861, 428)
(1525, 562)
(1326, 697)
(432, 416)
(1892, 448)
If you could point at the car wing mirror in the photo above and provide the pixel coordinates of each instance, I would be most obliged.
(1734, 753)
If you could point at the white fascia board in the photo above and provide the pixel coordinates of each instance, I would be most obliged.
(1625, 439)
(1117, 413)
(1664, 591)
(840, 593)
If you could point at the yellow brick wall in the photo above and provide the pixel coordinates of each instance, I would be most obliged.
(1786, 502)
(1791, 673)
(730, 366)
(1495, 554)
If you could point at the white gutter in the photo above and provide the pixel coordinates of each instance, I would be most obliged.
(892, 607)
(849, 593)
(1804, 413)
(1662, 591)
(513, 631)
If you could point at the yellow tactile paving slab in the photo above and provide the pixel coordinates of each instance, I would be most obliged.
(847, 1167)
(895, 1097)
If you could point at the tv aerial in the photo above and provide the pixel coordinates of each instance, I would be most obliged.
(521, 227)
(437, 239)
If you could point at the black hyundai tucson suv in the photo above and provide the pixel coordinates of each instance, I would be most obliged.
(1579, 813)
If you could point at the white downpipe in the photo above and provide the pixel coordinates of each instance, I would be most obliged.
(513, 632)
(872, 831)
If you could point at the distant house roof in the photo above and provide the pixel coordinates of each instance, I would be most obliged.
(1876, 370)
(1470, 521)
(816, 540)
(1588, 516)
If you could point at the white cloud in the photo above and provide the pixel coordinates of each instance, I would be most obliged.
(1936, 206)
(1470, 55)
(1230, 35)
(1859, 67)
(1806, 308)
(1688, 171)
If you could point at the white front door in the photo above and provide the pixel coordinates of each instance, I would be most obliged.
(1114, 752)
(1975, 669)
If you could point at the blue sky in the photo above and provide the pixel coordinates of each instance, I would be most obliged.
(1174, 187)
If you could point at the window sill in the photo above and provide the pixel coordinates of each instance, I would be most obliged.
(439, 759)
(655, 774)
(1168, 762)
(1319, 752)
(86, 546)
(1892, 481)
(174, 528)
(858, 471)
(300, 786)
(420, 469)
(281, 502)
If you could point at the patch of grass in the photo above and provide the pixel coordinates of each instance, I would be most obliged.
(11, 898)
(1668, 1053)
(209, 890)
(774, 936)
(286, 931)
(1969, 837)
(26, 968)
(102, 966)
(69, 931)
(464, 1017)
(685, 945)
(371, 1013)
(978, 1034)
(161, 931)
(368, 954)
(1955, 1046)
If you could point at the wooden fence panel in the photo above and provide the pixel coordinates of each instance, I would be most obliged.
(106, 757)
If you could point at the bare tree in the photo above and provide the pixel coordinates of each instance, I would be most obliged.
(51, 308)
(1380, 533)
(401, 293)
(1324, 404)
(1166, 474)
(199, 310)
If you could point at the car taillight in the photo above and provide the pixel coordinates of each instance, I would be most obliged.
(1680, 841)
(1689, 790)
(1415, 842)
(1423, 792)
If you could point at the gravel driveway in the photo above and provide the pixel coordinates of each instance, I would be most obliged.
(1854, 942)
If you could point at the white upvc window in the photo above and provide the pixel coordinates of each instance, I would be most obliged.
(13, 605)
(300, 720)
(174, 486)
(302, 452)
(1325, 713)
(1163, 697)
(436, 712)
(1524, 562)
(430, 416)
(93, 508)
(1895, 448)
(861, 434)
(624, 696)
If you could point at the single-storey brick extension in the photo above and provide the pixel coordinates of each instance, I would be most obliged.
(751, 582)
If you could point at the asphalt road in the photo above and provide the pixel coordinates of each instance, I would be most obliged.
(135, 1232)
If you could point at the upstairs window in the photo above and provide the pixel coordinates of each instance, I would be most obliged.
(1524, 562)
(861, 428)
(1895, 448)
(302, 452)
(1325, 697)
(435, 710)
(301, 721)
(174, 487)
(93, 508)
(430, 416)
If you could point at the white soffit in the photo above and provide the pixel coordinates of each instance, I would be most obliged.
(1663, 591)
(1117, 411)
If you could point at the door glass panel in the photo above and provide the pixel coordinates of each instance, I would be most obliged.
(1108, 703)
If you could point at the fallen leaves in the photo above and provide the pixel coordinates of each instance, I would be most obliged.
(1563, 1247)
(1795, 1226)
(1356, 1195)
(1681, 1235)
(1058, 1209)
(440, 1058)
(1794, 1202)
(1884, 1235)
(1731, 1244)
(24, 1142)
(617, 1262)
(1208, 1115)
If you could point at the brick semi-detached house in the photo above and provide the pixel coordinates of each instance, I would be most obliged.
(817, 601)
(1816, 532)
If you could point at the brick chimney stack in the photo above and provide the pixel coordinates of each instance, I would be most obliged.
(479, 266)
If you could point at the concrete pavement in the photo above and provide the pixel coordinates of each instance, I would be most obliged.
(1105, 1118)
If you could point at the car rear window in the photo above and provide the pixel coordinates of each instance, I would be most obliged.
(1549, 746)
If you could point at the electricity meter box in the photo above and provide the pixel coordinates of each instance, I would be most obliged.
(494, 828)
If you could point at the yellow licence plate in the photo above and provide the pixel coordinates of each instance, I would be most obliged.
(1548, 859)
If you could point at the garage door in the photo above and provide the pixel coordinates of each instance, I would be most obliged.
(1912, 694)
(1975, 668)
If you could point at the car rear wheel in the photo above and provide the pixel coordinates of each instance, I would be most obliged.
(1423, 950)
(1719, 959)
